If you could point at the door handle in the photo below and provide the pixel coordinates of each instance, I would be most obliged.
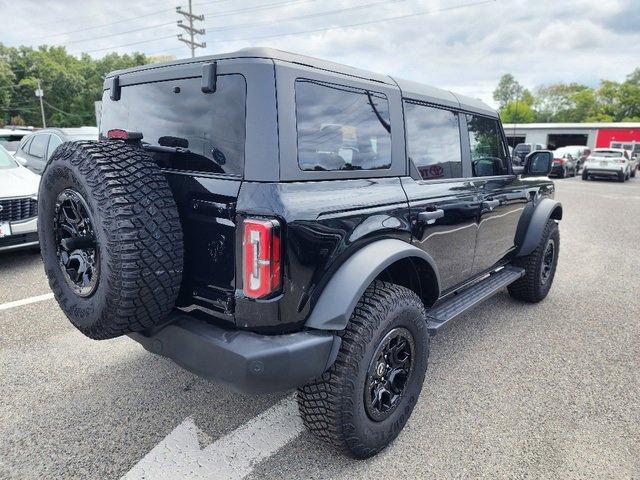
(429, 217)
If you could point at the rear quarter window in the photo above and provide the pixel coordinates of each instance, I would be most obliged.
(341, 128)
(176, 113)
(38, 145)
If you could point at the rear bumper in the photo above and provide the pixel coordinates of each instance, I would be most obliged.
(604, 172)
(245, 361)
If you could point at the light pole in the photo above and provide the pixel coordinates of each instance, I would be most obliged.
(40, 94)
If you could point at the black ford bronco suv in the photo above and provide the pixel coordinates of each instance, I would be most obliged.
(272, 221)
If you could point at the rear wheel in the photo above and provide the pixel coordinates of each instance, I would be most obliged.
(540, 267)
(364, 400)
(621, 177)
(633, 172)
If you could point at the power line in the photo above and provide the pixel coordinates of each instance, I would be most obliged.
(210, 14)
(116, 22)
(301, 17)
(359, 24)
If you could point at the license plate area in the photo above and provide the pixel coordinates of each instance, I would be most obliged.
(5, 229)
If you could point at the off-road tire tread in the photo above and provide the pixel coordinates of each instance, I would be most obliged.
(527, 287)
(144, 245)
(325, 404)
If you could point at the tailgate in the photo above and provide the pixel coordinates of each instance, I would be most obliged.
(198, 139)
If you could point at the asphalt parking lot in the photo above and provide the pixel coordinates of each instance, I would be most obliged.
(512, 390)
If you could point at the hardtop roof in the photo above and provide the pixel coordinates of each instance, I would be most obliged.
(410, 89)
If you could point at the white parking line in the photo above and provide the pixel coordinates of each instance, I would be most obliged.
(233, 456)
(26, 301)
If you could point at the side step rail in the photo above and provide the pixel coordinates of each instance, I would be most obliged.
(460, 302)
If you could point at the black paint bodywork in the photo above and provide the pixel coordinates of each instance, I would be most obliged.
(328, 216)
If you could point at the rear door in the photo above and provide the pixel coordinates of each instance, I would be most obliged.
(443, 203)
(503, 197)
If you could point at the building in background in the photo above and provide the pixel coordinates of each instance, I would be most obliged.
(593, 135)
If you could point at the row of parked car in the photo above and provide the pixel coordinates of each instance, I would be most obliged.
(23, 155)
(568, 161)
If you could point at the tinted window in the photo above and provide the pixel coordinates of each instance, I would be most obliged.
(341, 128)
(433, 141)
(488, 154)
(38, 145)
(26, 143)
(54, 143)
(210, 128)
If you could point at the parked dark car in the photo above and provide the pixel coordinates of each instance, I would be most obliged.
(564, 165)
(271, 221)
(36, 148)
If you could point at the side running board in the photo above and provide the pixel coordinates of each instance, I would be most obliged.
(460, 302)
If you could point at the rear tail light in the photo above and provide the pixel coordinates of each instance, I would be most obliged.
(558, 161)
(261, 257)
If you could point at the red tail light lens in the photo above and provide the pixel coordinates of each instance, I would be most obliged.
(558, 161)
(261, 257)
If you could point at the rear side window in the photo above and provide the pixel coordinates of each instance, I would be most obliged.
(25, 144)
(433, 141)
(38, 145)
(54, 143)
(488, 153)
(341, 128)
(208, 128)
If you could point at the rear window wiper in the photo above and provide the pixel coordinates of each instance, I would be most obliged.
(160, 148)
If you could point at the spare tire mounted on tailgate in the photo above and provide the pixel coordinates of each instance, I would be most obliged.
(110, 237)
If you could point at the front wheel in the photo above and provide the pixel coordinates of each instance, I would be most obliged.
(364, 400)
(633, 172)
(540, 267)
(585, 175)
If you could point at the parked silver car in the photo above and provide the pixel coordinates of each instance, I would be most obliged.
(18, 204)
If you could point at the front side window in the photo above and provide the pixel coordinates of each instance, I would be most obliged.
(38, 146)
(433, 141)
(341, 128)
(488, 153)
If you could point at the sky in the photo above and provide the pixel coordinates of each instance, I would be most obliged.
(460, 45)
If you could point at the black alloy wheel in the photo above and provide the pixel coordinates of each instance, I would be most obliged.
(389, 370)
(76, 245)
(548, 258)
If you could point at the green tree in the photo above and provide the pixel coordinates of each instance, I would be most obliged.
(7, 78)
(71, 85)
(517, 112)
(510, 90)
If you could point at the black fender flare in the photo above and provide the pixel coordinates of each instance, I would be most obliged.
(532, 224)
(341, 294)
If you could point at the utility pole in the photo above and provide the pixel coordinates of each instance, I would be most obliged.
(40, 94)
(193, 44)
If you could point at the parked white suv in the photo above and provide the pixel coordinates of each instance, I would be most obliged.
(18, 204)
(609, 162)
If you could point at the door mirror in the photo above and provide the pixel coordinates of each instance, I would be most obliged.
(538, 163)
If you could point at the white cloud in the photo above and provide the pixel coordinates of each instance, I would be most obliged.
(465, 49)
